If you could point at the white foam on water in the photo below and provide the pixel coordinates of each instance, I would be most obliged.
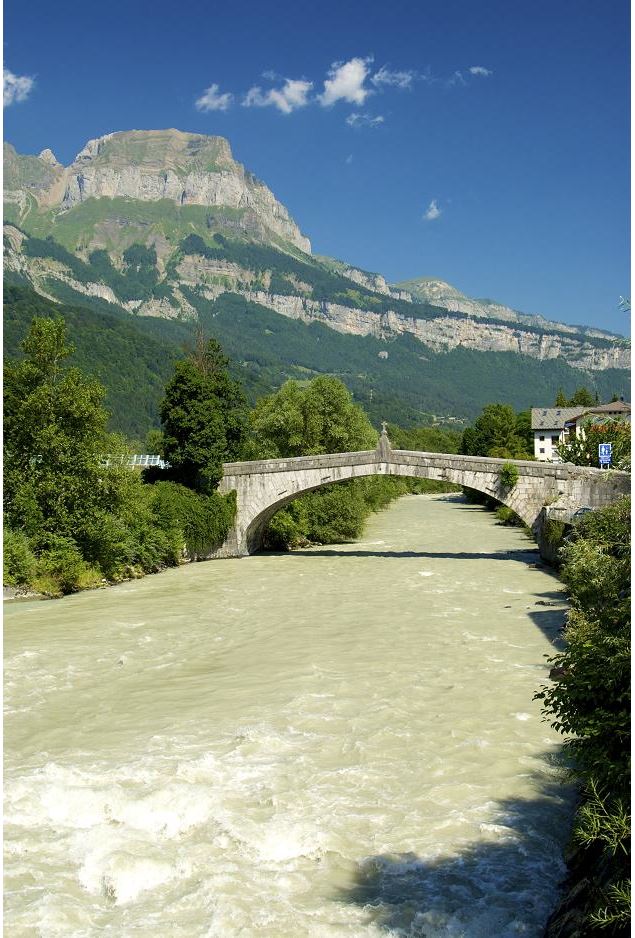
(122, 875)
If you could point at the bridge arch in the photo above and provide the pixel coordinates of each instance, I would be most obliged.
(487, 483)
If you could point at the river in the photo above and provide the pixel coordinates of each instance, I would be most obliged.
(334, 742)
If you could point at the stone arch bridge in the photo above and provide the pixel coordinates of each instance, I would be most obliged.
(543, 490)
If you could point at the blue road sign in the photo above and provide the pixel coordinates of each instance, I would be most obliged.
(604, 453)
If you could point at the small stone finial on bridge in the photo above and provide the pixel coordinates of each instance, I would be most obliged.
(384, 448)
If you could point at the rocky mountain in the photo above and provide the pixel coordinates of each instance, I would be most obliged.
(165, 224)
(440, 293)
(188, 171)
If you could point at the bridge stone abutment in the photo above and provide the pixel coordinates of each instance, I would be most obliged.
(542, 490)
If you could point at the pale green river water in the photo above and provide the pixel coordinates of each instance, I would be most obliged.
(336, 742)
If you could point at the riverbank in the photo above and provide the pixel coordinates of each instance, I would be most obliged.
(95, 581)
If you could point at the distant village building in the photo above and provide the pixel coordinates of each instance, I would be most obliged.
(554, 425)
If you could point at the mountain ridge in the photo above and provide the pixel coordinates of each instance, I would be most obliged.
(161, 223)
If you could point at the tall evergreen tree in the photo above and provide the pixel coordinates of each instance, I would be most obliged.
(203, 415)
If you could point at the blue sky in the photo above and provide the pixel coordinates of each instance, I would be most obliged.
(483, 142)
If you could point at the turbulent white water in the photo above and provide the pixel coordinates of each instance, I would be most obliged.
(339, 742)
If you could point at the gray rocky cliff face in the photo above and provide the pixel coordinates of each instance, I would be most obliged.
(440, 293)
(445, 333)
(213, 277)
(187, 169)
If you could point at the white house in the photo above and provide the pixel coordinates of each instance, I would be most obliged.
(553, 425)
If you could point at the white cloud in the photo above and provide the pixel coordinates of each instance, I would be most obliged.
(211, 100)
(15, 87)
(349, 159)
(346, 82)
(399, 79)
(480, 70)
(457, 79)
(294, 94)
(364, 120)
(433, 211)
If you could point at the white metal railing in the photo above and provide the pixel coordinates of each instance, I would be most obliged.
(135, 461)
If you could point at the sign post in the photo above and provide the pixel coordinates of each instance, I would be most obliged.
(604, 454)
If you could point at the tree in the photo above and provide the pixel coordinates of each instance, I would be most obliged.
(582, 398)
(203, 415)
(54, 436)
(583, 450)
(319, 418)
(497, 432)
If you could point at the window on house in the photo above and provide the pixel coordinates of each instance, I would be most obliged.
(541, 450)
(555, 439)
(542, 439)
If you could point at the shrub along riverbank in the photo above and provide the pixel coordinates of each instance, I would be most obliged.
(589, 702)
(72, 522)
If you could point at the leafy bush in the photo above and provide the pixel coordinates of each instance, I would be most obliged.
(202, 521)
(60, 563)
(509, 475)
(589, 701)
(554, 532)
(507, 516)
(18, 560)
(583, 450)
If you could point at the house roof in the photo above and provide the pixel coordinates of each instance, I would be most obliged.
(553, 418)
(616, 407)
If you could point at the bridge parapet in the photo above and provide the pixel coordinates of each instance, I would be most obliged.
(264, 486)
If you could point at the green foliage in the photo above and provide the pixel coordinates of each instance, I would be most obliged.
(581, 398)
(554, 532)
(424, 439)
(55, 430)
(133, 359)
(138, 278)
(154, 442)
(507, 516)
(72, 520)
(203, 415)
(18, 560)
(304, 421)
(509, 475)
(47, 247)
(497, 432)
(320, 417)
(583, 450)
(589, 701)
(61, 567)
(203, 521)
